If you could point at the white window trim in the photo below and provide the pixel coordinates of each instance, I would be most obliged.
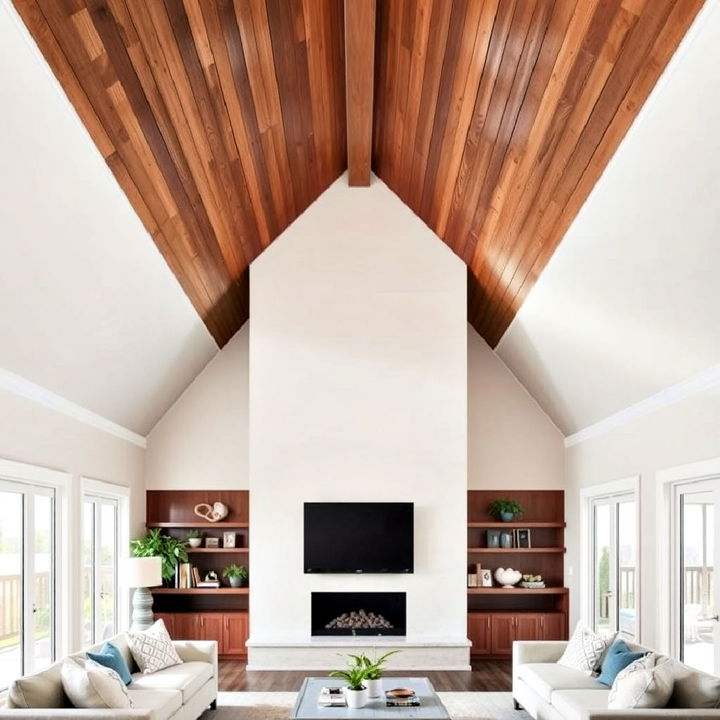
(587, 496)
(61, 482)
(667, 546)
(121, 494)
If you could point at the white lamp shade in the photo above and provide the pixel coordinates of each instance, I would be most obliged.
(142, 572)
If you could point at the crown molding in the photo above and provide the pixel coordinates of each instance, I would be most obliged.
(669, 396)
(18, 385)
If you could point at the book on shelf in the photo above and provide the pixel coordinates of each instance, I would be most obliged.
(208, 584)
(332, 697)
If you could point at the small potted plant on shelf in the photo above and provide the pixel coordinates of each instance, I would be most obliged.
(236, 575)
(194, 538)
(505, 510)
(374, 671)
(356, 693)
(156, 544)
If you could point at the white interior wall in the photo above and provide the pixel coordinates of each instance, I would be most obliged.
(202, 440)
(358, 388)
(678, 434)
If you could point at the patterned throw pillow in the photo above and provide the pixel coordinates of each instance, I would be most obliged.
(93, 686)
(152, 648)
(585, 650)
(646, 683)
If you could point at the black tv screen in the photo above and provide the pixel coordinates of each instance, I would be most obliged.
(359, 537)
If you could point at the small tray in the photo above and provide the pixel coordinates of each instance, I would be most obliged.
(400, 693)
(532, 585)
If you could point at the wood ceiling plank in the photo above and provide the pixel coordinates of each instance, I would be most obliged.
(359, 77)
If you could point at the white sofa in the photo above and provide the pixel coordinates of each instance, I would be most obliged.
(182, 692)
(549, 691)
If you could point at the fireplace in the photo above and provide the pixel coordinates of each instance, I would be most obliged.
(358, 613)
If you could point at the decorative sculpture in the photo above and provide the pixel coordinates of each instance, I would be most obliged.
(212, 513)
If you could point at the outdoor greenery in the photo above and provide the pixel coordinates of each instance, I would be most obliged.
(373, 668)
(155, 544)
(498, 507)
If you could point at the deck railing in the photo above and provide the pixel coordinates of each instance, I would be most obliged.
(11, 602)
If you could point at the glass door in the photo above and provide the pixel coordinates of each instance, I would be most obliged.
(696, 619)
(99, 556)
(27, 579)
(614, 562)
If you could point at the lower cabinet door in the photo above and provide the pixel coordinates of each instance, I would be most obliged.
(211, 628)
(502, 633)
(169, 620)
(479, 625)
(527, 626)
(235, 633)
(553, 626)
(187, 626)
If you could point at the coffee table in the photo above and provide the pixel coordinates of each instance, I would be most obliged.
(430, 708)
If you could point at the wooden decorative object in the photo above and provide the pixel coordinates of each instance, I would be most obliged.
(215, 513)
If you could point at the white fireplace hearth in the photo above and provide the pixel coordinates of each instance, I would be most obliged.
(321, 653)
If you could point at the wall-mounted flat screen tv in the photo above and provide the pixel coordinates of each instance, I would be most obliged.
(359, 537)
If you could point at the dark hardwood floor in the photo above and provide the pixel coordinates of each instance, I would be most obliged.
(486, 675)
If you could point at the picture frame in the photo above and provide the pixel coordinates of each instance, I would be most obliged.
(523, 538)
(486, 578)
(212, 542)
(228, 539)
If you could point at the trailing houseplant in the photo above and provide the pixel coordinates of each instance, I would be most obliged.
(505, 510)
(373, 671)
(236, 575)
(194, 538)
(169, 549)
(356, 693)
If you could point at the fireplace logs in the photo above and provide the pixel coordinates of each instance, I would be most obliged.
(359, 620)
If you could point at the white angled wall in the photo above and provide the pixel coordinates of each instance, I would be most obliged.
(358, 392)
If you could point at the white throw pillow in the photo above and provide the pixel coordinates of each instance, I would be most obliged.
(153, 649)
(90, 685)
(645, 683)
(585, 650)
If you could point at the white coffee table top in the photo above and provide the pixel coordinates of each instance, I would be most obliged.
(430, 708)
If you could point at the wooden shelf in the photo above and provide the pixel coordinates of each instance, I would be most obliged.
(494, 551)
(198, 525)
(218, 550)
(500, 524)
(200, 591)
(517, 591)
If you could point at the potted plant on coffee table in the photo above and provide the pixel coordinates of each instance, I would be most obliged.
(356, 694)
(374, 671)
(505, 510)
(236, 575)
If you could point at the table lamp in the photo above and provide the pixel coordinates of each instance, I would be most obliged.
(142, 573)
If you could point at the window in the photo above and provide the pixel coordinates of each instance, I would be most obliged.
(28, 569)
(99, 573)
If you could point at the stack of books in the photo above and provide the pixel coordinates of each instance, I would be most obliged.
(332, 697)
(401, 697)
(188, 576)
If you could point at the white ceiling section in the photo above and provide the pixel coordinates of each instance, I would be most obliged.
(88, 307)
(630, 302)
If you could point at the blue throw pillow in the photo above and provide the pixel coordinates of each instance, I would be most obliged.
(617, 658)
(111, 657)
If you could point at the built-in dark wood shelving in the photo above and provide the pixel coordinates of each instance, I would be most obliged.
(200, 591)
(218, 550)
(193, 524)
(500, 551)
(511, 525)
(517, 591)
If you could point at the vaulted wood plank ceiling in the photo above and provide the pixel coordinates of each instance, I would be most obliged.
(224, 119)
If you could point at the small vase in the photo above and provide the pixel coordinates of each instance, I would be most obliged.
(356, 699)
(235, 582)
(507, 516)
(374, 688)
(195, 542)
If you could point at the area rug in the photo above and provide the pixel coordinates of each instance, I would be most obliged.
(277, 706)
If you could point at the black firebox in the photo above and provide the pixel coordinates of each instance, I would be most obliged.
(358, 613)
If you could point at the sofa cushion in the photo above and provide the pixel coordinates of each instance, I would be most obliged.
(40, 690)
(152, 648)
(544, 678)
(111, 657)
(646, 683)
(575, 704)
(162, 703)
(188, 678)
(617, 658)
(93, 686)
(585, 650)
(694, 689)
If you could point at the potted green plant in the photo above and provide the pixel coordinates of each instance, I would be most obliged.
(236, 575)
(194, 538)
(156, 544)
(374, 671)
(505, 510)
(356, 694)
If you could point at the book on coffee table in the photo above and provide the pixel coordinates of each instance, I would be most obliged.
(403, 700)
(331, 697)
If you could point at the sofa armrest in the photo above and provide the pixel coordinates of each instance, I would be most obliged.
(57, 713)
(648, 714)
(202, 650)
(536, 651)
